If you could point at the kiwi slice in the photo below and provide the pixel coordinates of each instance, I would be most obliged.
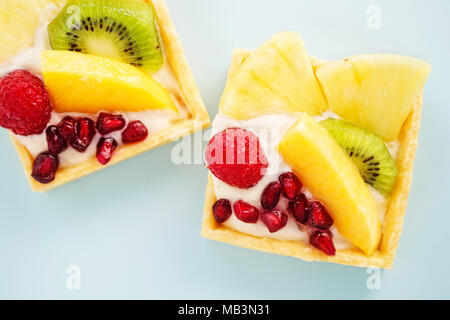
(368, 152)
(119, 29)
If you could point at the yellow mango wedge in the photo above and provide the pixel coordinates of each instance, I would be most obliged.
(85, 83)
(332, 178)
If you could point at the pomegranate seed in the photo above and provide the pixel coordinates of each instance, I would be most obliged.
(67, 128)
(274, 220)
(245, 212)
(299, 208)
(319, 216)
(107, 122)
(55, 141)
(271, 195)
(222, 210)
(85, 132)
(322, 240)
(105, 149)
(291, 185)
(135, 132)
(44, 167)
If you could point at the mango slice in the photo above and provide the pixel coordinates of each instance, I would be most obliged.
(332, 178)
(85, 83)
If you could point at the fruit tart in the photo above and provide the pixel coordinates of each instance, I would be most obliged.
(88, 83)
(313, 159)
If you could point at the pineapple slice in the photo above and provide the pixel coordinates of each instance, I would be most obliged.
(375, 91)
(277, 77)
(80, 82)
(18, 22)
(332, 178)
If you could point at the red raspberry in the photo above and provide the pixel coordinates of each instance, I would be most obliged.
(236, 157)
(25, 106)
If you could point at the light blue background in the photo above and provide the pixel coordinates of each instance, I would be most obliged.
(134, 229)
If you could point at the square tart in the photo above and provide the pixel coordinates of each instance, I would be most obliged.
(393, 222)
(198, 116)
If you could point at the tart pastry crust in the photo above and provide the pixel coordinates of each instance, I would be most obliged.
(198, 116)
(396, 208)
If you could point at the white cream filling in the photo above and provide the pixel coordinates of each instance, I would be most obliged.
(30, 59)
(270, 129)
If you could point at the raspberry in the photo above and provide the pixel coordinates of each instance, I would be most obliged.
(236, 157)
(25, 106)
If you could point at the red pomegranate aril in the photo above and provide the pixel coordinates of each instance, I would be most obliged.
(55, 141)
(274, 220)
(291, 185)
(135, 132)
(319, 216)
(107, 122)
(85, 132)
(323, 241)
(271, 195)
(105, 149)
(299, 208)
(67, 128)
(246, 212)
(44, 167)
(222, 210)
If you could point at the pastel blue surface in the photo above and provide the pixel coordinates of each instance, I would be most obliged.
(134, 229)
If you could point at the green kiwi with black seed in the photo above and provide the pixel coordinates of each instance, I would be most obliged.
(368, 152)
(119, 29)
